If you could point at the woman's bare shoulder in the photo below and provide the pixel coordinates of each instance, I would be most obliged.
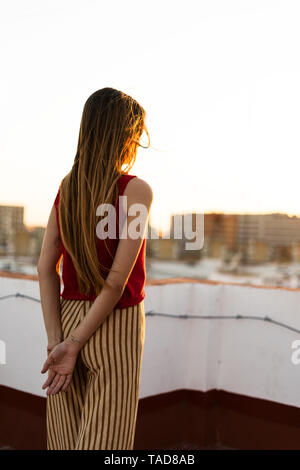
(138, 188)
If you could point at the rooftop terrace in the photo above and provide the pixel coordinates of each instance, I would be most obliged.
(217, 366)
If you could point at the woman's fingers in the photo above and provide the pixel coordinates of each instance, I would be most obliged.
(57, 382)
(49, 362)
(67, 382)
(51, 376)
(53, 384)
(60, 382)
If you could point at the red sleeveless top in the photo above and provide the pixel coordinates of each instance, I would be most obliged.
(134, 291)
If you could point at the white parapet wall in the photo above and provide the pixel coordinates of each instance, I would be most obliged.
(245, 356)
(22, 330)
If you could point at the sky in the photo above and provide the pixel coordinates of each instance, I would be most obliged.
(219, 80)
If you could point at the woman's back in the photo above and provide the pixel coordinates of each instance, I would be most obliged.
(134, 290)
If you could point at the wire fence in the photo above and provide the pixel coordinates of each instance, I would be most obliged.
(152, 313)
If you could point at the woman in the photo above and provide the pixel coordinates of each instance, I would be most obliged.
(96, 326)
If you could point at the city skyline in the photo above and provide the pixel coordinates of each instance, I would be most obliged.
(28, 226)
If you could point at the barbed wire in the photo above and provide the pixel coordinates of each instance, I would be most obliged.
(17, 294)
(228, 317)
(152, 313)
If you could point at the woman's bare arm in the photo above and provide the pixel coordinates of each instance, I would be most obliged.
(49, 281)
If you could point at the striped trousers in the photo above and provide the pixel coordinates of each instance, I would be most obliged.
(99, 409)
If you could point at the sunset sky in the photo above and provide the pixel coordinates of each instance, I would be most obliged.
(219, 81)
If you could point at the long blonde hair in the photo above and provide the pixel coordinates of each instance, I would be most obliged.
(111, 125)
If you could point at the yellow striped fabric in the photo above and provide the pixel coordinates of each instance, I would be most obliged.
(99, 409)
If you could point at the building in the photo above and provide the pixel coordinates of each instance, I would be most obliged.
(164, 248)
(11, 222)
(259, 237)
(295, 251)
(274, 229)
(220, 233)
(258, 251)
(29, 242)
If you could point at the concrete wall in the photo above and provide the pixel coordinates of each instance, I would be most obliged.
(243, 356)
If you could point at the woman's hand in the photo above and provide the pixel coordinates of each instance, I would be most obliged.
(60, 363)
